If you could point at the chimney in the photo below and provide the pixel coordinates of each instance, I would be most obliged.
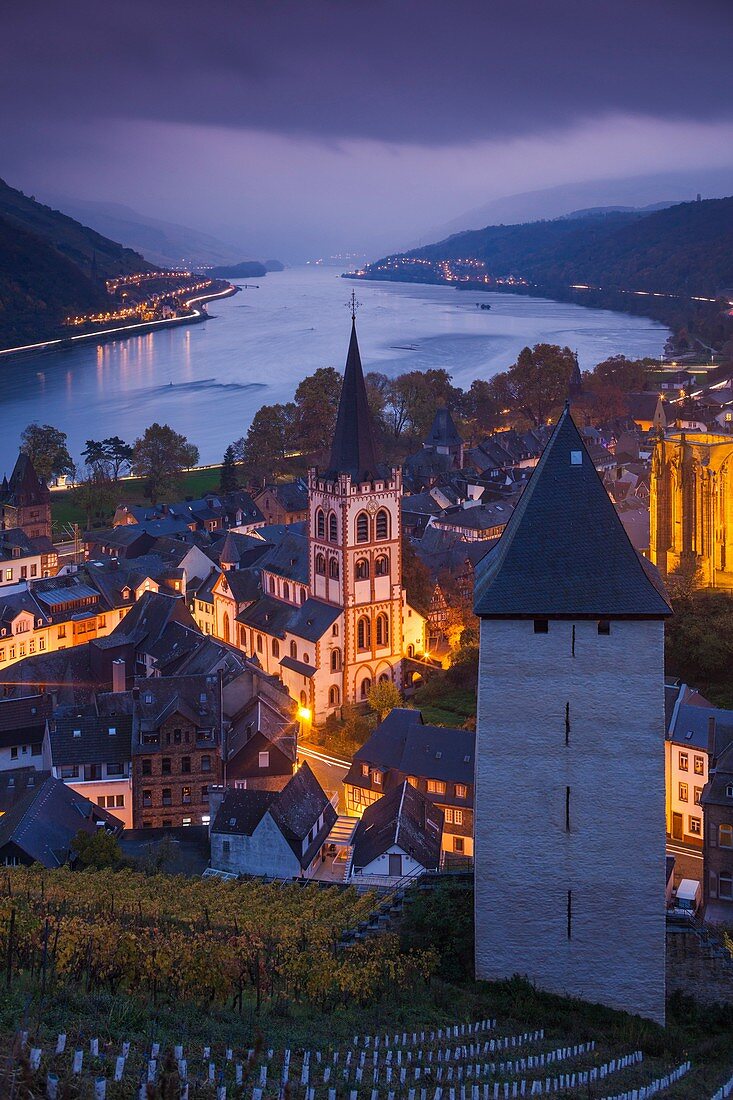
(119, 675)
(216, 797)
(711, 742)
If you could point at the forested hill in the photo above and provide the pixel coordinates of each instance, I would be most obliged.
(684, 249)
(88, 250)
(50, 267)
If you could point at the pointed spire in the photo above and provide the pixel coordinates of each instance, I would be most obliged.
(575, 386)
(564, 552)
(352, 451)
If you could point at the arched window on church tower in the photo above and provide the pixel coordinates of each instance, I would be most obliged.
(362, 527)
(332, 527)
(363, 633)
(294, 650)
(334, 696)
(321, 564)
(366, 687)
(382, 524)
(333, 568)
(286, 591)
(382, 629)
(381, 566)
(275, 647)
(362, 569)
(320, 524)
(335, 660)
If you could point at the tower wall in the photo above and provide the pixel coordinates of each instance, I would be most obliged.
(612, 856)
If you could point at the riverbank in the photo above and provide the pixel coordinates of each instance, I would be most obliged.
(120, 332)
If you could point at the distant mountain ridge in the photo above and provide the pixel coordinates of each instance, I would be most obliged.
(681, 249)
(89, 250)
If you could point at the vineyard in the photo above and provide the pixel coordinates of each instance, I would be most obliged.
(172, 939)
(123, 985)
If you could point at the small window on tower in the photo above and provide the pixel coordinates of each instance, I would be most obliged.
(604, 627)
(576, 458)
(541, 626)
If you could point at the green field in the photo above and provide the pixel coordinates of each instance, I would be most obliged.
(66, 511)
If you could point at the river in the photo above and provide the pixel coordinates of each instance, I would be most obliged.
(208, 380)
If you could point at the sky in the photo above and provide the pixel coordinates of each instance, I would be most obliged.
(306, 128)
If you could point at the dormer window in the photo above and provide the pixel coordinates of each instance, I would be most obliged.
(77, 733)
(729, 791)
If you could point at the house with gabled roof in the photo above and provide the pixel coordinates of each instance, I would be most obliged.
(279, 834)
(398, 836)
(22, 728)
(41, 826)
(438, 761)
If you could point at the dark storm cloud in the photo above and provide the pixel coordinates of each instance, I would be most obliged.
(452, 71)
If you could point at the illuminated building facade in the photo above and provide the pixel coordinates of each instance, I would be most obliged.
(691, 506)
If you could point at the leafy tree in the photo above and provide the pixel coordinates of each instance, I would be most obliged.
(160, 456)
(627, 375)
(95, 494)
(416, 578)
(538, 382)
(411, 400)
(269, 438)
(482, 406)
(47, 449)
(383, 697)
(108, 456)
(97, 850)
(316, 401)
(699, 638)
(228, 477)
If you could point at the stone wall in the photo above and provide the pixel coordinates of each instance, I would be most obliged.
(699, 967)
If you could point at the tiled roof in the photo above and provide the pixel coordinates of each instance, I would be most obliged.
(564, 552)
(402, 741)
(44, 822)
(298, 666)
(88, 739)
(405, 818)
(23, 721)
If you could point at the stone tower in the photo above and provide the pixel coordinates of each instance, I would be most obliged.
(354, 543)
(569, 811)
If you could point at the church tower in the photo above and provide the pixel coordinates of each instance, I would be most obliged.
(569, 810)
(354, 544)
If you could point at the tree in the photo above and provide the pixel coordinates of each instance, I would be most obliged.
(46, 447)
(538, 382)
(482, 406)
(316, 402)
(269, 438)
(416, 578)
(228, 476)
(107, 456)
(411, 400)
(95, 494)
(160, 456)
(383, 697)
(97, 850)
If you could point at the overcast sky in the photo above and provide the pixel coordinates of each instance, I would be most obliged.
(305, 127)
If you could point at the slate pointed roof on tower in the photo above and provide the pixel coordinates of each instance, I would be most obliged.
(352, 451)
(564, 552)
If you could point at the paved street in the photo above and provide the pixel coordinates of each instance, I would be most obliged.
(329, 770)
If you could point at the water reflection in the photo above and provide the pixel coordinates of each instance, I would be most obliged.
(262, 342)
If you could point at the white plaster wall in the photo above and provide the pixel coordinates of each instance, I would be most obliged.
(264, 853)
(613, 856)
(380, 865)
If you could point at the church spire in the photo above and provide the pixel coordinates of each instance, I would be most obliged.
(352, 451)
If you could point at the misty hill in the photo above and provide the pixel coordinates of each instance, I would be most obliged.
(164, 243)
(39, 287)
(51, 266)
(247, 269)
(683, 249)
(76, 242)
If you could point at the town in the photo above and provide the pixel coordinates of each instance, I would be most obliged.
(192, 673)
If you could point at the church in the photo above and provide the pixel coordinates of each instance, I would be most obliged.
(691, 506)
(322, 605)
(569, 812)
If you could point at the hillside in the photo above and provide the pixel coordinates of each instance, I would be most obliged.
(38, 287)
(51, 266)
(687, 248)
(78, 243)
